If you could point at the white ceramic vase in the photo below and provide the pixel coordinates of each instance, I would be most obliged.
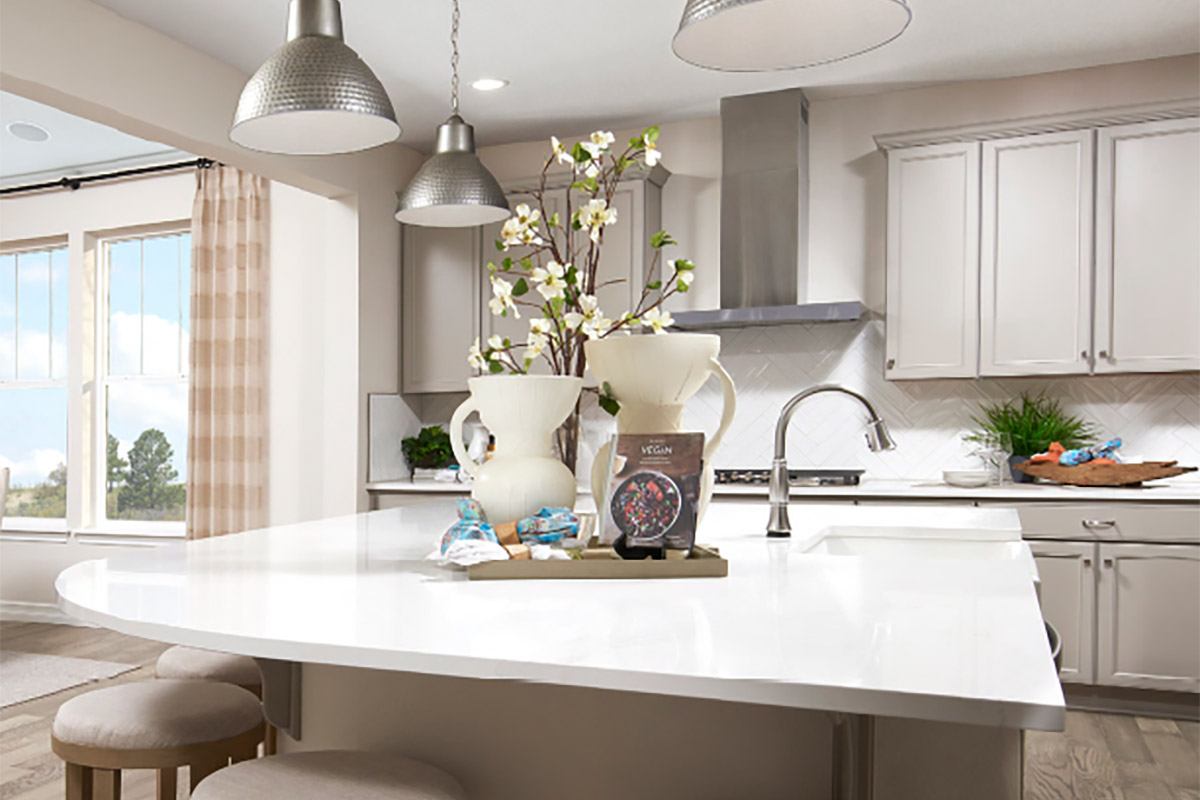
(652, 377)
(522, 412)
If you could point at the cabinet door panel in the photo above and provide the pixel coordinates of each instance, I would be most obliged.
(1035, 290)
(1068, 596)
(1149, 616)
(440, 284)
(1147, 249)
(933, 262)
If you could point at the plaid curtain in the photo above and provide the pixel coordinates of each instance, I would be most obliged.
(227, 395)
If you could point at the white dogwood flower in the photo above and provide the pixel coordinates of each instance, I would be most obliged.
(502, 298)
(685, 279)
(652, 154)
(560, 151)
(527, 217)
(658, 319)
(595, 215)
(496, 342)
(598, 142)
(475, 356)
(550, 280)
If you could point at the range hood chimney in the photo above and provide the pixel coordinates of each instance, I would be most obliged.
(764, 217)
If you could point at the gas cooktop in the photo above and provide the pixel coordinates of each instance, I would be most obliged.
(797, 477)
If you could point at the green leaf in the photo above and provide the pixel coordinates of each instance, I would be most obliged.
(683, 265)
(557, 305)
(654, 285)
(527, 264)
(554, 221)
(507, 263)
(500, 245)
(507, 342)
(682, 287)
(576, 224)
(495, 367)
(520, 288)
(589, 185)
(651, 133)
(580, 155)
(491, 267)
(607, 401)
(635, 141)
(572, 275)
(661, 239)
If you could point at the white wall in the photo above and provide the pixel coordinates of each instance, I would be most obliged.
(313, 374)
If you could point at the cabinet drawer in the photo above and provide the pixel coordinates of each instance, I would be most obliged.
(1114, 522)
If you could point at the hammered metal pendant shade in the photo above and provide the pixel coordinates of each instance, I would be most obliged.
(314, 95)
(763, 35)
(453, 189)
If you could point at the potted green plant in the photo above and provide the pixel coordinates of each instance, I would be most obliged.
(429, 449)
(1032, 424)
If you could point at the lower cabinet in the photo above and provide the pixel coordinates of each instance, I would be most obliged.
(1148, 616)
(1068, 596)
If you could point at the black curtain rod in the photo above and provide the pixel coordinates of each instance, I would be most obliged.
(74, 183)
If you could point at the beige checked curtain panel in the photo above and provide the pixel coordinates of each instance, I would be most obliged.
(227, 397)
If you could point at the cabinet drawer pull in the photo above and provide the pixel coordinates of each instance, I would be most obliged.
(1099, 523)
(1087, 562)
(1108, 562)
(891, 363)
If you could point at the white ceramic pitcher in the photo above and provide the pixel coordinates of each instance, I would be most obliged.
(652, 376)
(522, 412)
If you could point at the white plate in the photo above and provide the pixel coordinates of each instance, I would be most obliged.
(967, 478)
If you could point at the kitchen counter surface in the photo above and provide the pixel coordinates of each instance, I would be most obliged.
(1158, 491)
(953, 640)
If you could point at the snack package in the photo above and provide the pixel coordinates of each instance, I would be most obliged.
(654, 493)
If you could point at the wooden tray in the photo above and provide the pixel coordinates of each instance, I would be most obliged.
(1103, 474)
(704, 562)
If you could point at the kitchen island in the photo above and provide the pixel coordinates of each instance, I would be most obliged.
(598, 689)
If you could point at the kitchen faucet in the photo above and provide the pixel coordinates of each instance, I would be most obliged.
(878, 439)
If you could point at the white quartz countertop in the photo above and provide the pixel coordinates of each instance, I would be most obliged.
(939, 639)
(1178, 490)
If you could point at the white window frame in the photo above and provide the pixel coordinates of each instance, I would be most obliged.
(39, 524)
(99, 427)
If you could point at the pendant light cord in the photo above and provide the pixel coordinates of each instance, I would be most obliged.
(454, 59)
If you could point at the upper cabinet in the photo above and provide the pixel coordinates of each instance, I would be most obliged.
(933, 261)
(1063, 253)
(1035, 286)
(1147, 247)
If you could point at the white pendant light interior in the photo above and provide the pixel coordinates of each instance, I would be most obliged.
(762, 35)
(314, 95)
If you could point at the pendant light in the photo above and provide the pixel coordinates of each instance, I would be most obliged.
(453, 189)
(314, 95)
(762, 35)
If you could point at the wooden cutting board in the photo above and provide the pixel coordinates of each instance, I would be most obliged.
(1103, 474)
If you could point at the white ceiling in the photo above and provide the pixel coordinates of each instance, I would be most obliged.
(75, 144)
(575, 64)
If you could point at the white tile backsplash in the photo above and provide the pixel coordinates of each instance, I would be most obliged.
(1158, 416)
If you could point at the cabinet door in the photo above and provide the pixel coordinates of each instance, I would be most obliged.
(1147, 251)
(1149, 616)
(1068, 596)
(933, 262)
(441, 319)
(1035, 286)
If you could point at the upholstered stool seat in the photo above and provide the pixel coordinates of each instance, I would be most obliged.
(162, 725)
(194, 664)
(324, 774)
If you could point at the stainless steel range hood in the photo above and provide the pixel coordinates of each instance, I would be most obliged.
(764, 217)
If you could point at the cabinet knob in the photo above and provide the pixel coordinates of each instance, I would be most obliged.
(1104, 354)
(1108, 562)
(891, 363)
(1087, 562)
(1084, 355)
(1093, 524)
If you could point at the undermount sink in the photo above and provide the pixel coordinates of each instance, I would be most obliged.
(913, 543)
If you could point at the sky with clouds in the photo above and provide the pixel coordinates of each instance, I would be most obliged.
(148, 305)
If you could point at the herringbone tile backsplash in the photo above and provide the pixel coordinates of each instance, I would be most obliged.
(1158, 416)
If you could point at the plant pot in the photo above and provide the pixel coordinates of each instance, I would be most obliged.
(1017, 475)
(652, 376)
(522, 412)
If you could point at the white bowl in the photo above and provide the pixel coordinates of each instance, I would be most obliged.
(967, 478)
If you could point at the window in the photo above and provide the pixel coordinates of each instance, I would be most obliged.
(143, 377)
(93, 393)
(34, 321)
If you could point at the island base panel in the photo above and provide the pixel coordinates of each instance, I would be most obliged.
(513, 740)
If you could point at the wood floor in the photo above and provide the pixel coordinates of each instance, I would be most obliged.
(1097, 757)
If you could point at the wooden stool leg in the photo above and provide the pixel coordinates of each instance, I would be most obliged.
(270, 744)
(108, 784)
(165, 784)
(205, 765)
(79, 782)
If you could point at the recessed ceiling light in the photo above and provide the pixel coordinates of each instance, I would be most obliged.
(28, 131)
(489, 84)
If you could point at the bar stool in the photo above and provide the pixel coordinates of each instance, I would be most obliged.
(195, 664)
(324, 774)
(160, 725)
